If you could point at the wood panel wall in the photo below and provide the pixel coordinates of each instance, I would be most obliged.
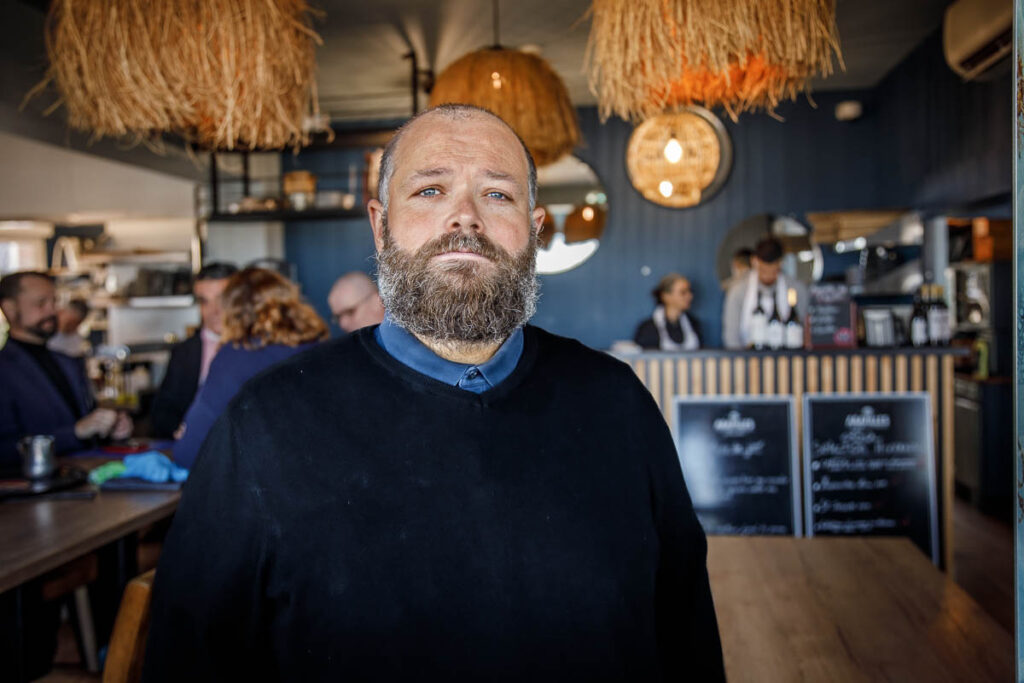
(751, 374)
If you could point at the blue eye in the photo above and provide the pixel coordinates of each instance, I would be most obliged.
(429, 192)
(497, 195)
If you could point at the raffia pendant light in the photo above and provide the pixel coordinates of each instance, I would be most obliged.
(648, 56)
(224, 74)
(522, 89)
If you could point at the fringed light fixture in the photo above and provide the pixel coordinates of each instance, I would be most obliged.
(648, 56)
(224, 74)
(519, 87)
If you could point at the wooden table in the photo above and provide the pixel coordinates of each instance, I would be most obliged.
(848, 609)
(39, 536)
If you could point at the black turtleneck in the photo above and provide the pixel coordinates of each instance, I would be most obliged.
(44, 358)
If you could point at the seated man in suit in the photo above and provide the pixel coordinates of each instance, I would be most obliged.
(190, 360)
(44, 392)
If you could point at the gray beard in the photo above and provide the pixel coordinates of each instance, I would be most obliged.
(463, 302)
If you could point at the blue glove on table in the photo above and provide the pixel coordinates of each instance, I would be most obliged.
(153, 466)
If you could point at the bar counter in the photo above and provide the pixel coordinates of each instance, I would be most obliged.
(723, 372)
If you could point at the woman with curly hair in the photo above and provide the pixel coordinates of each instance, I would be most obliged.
(265, 321)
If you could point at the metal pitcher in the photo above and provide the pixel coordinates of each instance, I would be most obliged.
(38, 456)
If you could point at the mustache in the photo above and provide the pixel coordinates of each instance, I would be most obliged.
(459, 241)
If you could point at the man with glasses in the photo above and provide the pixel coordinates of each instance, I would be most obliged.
(355, 302)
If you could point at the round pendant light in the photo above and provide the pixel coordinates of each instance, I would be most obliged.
(680, 159)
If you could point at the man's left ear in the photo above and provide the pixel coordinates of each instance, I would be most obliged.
(538, 220)
(376, 212)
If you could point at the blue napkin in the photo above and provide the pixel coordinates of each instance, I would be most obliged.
(153, 466)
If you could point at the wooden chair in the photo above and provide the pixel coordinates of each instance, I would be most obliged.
(128, 641)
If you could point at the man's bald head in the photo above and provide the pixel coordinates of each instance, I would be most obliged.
(453, 112)
(354, 301)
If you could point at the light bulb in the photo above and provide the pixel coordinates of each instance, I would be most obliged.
(665, 188)
(588, 213)
(673, 150)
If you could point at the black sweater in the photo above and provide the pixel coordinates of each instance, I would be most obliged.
(351, 519)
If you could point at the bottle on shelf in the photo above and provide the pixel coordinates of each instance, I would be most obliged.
(758, 326)
(919, 319)
(775, 336)
(938, 318)
(794, 328)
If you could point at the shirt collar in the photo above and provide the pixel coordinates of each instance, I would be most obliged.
(404, 347)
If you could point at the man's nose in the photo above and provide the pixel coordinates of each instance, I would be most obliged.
(465, 216)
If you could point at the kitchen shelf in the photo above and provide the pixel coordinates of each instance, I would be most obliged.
(290, 215)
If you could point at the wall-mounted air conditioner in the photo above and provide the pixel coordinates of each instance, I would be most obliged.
(977, 35)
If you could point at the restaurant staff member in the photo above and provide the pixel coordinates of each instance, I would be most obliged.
(355, 302)
(739, 266)
(190, 359)
(42, 391)
(670, 327)
(453, 495)
(764, 282)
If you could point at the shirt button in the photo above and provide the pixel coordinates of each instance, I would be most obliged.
(472, 373)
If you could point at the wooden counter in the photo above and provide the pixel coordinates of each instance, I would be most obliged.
(848, 609)
(720, 372)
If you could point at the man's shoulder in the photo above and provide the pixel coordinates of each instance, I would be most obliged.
(191, 344)
(737, 289)
(324, 362)
(568, 353)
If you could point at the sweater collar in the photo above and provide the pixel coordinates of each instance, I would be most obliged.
(404, 347)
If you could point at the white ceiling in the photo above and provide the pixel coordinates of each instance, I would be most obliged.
(362, 73)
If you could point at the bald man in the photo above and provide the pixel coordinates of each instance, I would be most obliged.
(407, 503)
(355, 302)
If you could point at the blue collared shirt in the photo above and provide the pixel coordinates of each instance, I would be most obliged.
(408, 350)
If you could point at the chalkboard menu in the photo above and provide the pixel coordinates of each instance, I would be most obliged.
(869, 467)
(739, 459)
(830, 316)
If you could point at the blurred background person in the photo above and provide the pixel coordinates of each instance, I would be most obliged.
(67, 340)
(190, 359)
(738, 267)
(670, 327)
(355, 302)
(264, 322)
(44, 391)
(765, 284)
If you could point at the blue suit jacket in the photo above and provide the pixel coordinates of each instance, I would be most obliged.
(30, 404)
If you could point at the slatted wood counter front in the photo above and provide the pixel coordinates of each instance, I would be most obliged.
(720, 372)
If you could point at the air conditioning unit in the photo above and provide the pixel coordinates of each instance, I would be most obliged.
(977, 35)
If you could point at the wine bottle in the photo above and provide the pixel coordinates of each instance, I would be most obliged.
(919, 320)
(776, 332)
(794, 328)
(758, 325)
(938, 318)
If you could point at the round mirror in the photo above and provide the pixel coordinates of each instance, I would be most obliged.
(576, 207)
(802, 259)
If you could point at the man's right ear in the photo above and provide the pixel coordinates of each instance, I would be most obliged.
(376, 212)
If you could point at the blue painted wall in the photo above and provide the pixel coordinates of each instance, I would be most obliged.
(924, 138)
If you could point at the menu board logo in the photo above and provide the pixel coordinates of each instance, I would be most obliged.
(733, 425)
(867, 419)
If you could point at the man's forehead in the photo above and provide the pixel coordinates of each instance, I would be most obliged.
(36, 286)
(469, 137)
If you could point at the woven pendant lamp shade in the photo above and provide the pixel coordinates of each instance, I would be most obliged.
(698, 168)
(522, 89)
(584, 223)
(224, 74)
(649, 56)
